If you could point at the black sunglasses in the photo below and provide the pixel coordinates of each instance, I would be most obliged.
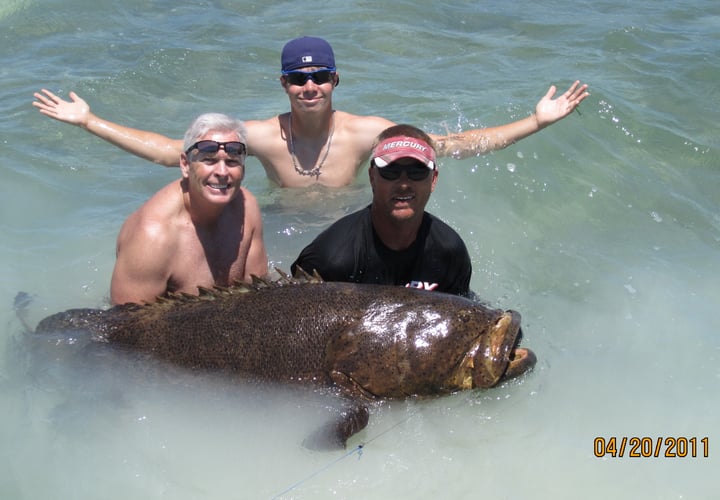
(393, 171)
(319, 76)
(212, 147)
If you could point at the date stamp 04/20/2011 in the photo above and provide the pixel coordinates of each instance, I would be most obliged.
(651, 447)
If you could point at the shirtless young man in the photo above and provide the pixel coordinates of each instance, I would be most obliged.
(202, 230)
(313, 143)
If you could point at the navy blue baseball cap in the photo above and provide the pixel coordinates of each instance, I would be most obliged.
(307, 51)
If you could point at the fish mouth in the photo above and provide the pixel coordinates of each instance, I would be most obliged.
(498, 357)
(522, 360)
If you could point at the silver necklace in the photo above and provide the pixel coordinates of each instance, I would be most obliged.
(316, 171)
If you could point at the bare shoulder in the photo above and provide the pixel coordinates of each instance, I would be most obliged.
(155, 220)
(263, 125)
(360, 124)
(251, 206)
(249, 197)
(362, 129)
(263, 133)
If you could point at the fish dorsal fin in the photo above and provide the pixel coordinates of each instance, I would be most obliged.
(170, 299)
(302, 274)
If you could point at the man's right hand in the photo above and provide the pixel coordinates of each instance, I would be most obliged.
(76, 112)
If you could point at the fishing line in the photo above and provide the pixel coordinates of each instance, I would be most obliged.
(358, 449)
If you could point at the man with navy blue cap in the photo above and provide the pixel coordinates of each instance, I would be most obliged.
(312, 143)
(307, 51)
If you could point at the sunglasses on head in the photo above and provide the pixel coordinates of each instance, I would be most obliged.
(319, 76)
(414, 172)
(212, 147)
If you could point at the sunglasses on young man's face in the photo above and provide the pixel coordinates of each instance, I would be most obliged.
(232, 148)
(319, 76)
(393, 171)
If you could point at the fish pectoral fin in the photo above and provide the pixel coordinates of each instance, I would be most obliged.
(334, 434)
(350, 419)
(350, 386)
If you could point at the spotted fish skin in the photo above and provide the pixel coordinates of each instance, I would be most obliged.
(367, 341)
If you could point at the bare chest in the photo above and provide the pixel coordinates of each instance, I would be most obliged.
(307, 164)
(208, 259)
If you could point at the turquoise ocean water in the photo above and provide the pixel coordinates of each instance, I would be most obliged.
(603, 231)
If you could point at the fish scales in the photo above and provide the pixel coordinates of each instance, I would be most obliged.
(368, 341)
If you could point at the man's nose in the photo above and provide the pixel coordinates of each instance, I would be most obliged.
(221, 167)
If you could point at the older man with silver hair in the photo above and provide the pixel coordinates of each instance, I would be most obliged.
(203, 229)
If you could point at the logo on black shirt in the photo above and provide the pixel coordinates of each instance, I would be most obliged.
(422, 285)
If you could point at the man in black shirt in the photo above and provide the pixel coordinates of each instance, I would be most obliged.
(394, 241)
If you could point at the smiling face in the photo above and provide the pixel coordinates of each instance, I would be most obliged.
(402, 199)
(310, 94)
(214, 176)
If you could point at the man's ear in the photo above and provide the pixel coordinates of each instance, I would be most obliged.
(372, 175)
(184, 165)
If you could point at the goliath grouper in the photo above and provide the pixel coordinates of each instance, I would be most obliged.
(366, 341)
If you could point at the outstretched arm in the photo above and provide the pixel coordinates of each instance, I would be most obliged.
(480, 141)
(148, 145)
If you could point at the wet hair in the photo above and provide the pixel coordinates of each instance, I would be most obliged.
(404, 129)
(216, 122)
